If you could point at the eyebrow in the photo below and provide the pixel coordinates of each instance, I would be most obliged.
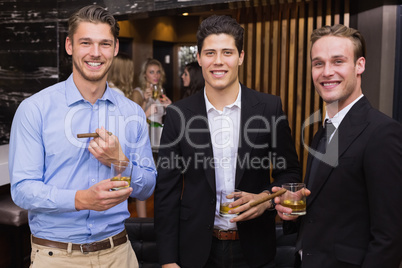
(333, 57)
(213, 49)
(90, 39)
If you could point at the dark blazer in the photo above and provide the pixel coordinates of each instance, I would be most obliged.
(354, 212)
(185, 197)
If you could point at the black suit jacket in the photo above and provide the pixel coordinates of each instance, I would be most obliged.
(354, 212)
(185, 197)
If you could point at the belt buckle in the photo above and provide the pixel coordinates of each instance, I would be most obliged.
(220, 234)
(82, 248)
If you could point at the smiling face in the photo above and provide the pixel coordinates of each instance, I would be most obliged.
(92, 49)
(220, 61)
(336, 75)
(153, 74)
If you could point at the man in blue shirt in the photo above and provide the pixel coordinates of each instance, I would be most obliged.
(64, 182)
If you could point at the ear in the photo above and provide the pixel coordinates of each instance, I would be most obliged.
(241, 58)
(116, 47)
(360, 65)
(69, 46)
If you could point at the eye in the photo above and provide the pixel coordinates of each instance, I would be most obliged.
(209, 53)
(317, 64)
(228, 53)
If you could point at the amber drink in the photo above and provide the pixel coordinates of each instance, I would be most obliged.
(294, 198)
(225, 201)
(121, 171)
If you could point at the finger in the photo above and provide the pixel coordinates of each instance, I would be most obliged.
(275, 189)
(286, 217)
(239, 209)
(283, 209)
(249, 214)
(93, 147)
(118, 184)
(238, 202)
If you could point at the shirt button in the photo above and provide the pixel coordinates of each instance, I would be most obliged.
(90, 225)
(93, 180)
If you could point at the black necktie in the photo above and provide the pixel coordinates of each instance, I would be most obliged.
(326, 133)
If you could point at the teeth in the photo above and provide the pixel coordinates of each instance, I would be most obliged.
(330, 84)
(219, 73)
(94, 64)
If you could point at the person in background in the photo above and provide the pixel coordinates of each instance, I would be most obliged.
(63, 181)
(151, 78)
(121, 75)
(121, 79)
(192, 78)
(219, 139)
(354, 212)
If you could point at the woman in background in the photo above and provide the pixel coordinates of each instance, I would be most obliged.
(121, 75)
(152, 77)
(121, 78)
(193, 81)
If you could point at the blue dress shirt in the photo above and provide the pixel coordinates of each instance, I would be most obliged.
(48, 163)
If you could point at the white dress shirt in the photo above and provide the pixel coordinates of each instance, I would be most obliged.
(337, 118)
(224, 130)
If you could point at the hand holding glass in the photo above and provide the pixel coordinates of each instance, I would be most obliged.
(121, 171)
(225, 201)
(294, 198)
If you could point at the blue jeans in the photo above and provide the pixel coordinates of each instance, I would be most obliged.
(229, 254)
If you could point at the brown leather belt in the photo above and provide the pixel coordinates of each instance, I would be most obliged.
(84, 248)
(226, 234)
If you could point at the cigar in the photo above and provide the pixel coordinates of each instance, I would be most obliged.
(91, 135)
(269, 197)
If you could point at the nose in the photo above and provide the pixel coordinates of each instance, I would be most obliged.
(218, 58)
(328, 70)
(95, 51)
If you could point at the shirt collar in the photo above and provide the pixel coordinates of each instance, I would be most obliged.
(73, 95)
(236, 103)
(337, 119)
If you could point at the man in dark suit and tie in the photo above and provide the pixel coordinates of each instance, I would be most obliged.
(225, 137)
(354, 211)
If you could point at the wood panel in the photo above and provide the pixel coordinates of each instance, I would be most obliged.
(277, 60)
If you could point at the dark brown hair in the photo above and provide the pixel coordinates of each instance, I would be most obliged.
(93, 14)
(220, 25)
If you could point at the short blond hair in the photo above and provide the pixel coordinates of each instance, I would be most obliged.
(340, 30)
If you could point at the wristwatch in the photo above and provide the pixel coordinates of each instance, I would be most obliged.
(273, 204)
